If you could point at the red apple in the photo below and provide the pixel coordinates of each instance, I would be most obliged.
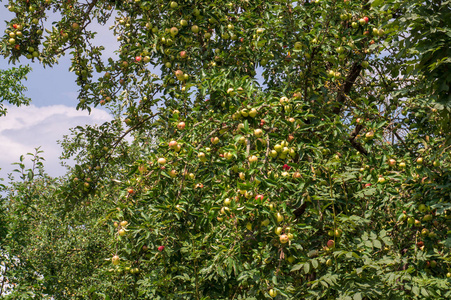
(330, 244)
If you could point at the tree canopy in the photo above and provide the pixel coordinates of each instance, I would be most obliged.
(259, 149)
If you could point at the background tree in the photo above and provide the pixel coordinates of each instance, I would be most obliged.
(11, 88)
(286, 150)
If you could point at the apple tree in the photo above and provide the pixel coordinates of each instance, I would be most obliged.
(260, 149)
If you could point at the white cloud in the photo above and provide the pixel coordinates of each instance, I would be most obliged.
(26, 128)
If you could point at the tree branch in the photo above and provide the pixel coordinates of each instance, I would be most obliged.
(346, 88)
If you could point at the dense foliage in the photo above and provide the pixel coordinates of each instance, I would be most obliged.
(287, 150)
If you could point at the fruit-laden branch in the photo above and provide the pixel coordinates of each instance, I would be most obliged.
(85, 22)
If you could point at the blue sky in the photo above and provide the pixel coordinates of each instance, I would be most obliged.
(52, 112)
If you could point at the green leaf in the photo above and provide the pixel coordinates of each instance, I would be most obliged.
(357, 296)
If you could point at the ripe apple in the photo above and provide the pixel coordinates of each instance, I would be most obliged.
(330, 244)
(279, 217)
(195, 29)
(252, 113)
(181, 126)
(122, 232)
(161, 160)
(381, 179)
(174, 31)
(258, 132)
(278, 230)
(183, 54)
(214, 140)
(253, 158)
(424, 232)
(331, 73)
(173, 173)
(419, 161)
(228, 155)
(160, 248)
(283, 100)
(272, 293)
(427, 218)
(227, 202)
(369, 135)
(115, 260)
(202, 157)
(402, 165)
(123, 223)
(391, 162)
(422, 208)
(283, 239)
(179, 74)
